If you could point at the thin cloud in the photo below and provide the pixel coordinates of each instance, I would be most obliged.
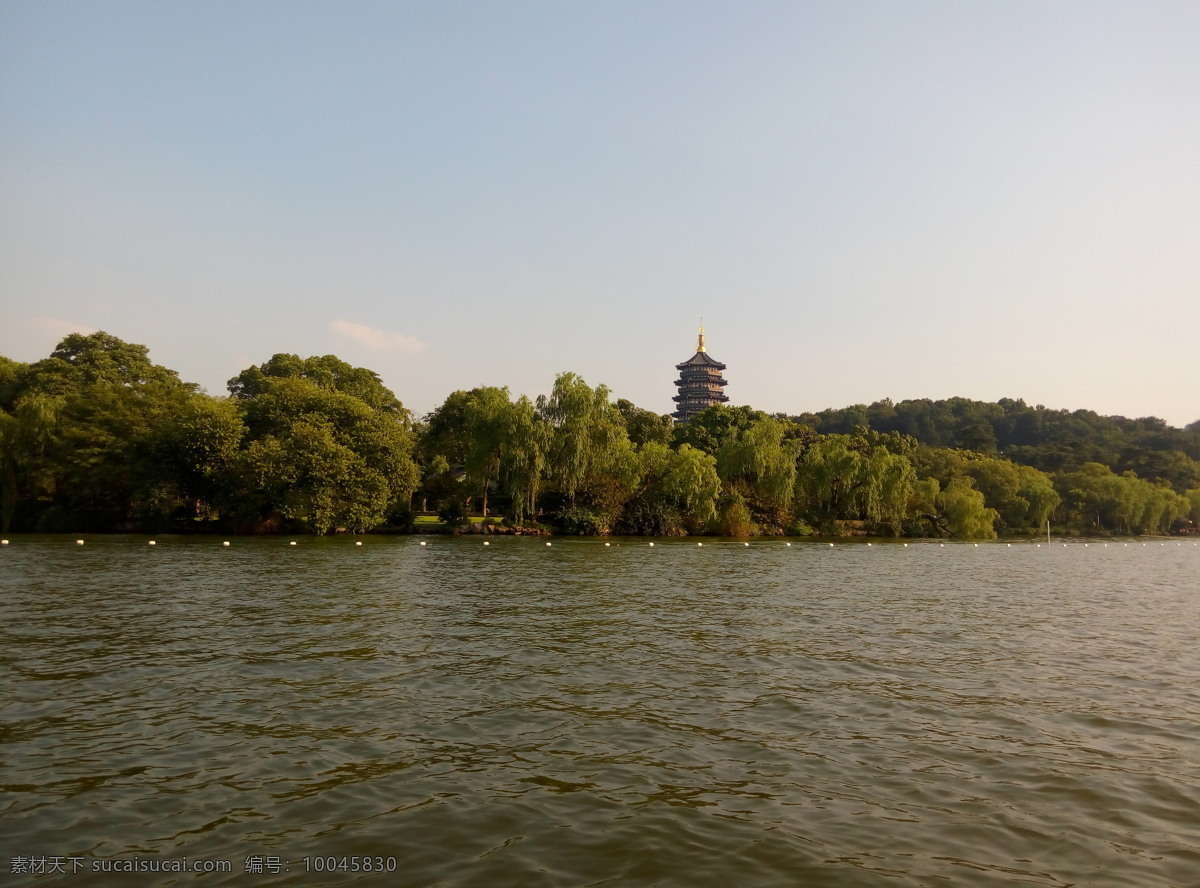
(378, 340)
(58, 328)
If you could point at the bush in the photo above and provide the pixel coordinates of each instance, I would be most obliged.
(579, 520)
(453, 513)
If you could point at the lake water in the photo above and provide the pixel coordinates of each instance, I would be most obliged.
(582, 714)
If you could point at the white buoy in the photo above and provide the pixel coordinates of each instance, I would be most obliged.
(606, 545)
(906, 545)
(358, 542)
(3, 542)
(1064, 545)
(831, 545)
(789, 545)
(652, 545)
(226, 543)
(486, 543)
(698, 544)
(1085, 545)
(547, 544)
(79, 542)
(422, 542)
(152, 543)
(292, 543)
(941, 545)
(745, 544)
(977, 545)
(1009, 545)
(868, 544)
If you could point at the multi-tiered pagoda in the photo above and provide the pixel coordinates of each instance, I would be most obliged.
(700, 383)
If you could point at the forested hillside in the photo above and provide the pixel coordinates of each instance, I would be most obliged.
(1050, 440)
(97, 437)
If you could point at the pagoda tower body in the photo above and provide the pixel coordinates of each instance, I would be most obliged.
(700, 383)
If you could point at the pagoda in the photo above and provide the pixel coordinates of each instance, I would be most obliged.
(700, 383)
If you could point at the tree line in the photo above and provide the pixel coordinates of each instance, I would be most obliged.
(97, 437)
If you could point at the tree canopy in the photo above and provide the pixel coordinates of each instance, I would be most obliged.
(96, 436)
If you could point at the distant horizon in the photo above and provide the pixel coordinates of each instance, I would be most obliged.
(862, 200)
(223, 391)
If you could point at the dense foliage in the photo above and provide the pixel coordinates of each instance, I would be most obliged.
(96, 437)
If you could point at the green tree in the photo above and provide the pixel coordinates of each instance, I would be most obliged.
(759, 462)
(327, 372)
(887, 493)
(98, 466)
(585, 428)
(713, 426)
(958, 510)
(195, 448)
(1193, 498)
(830, 480)
(317, 453)
(25, 433)
(472, 429)
(644, 426)
(523, 458)
(675, 490)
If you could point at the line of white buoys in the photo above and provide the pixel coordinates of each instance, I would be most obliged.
(79, 542)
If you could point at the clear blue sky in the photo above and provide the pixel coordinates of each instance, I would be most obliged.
(863, 200)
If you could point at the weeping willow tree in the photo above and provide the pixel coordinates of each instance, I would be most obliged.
(759, 464)
(523, 458)
(887, 489)
(674, 490)
(830, 481)
(585, 427)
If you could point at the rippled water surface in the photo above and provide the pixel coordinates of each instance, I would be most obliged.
(585, 714)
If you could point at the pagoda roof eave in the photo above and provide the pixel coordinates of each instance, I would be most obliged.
(700, 359)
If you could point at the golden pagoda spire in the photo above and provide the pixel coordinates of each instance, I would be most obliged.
(700, 347)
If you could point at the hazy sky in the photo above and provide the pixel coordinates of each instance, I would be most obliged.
(863, 200)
